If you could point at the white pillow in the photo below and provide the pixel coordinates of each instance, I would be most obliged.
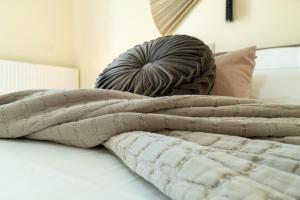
(278, 85)
(277, 75)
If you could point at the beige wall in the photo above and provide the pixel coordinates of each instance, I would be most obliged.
(96, 31)
(37, 31)
(106, 28)
(264, 23)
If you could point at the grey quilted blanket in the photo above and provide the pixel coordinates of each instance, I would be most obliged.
(189, 147)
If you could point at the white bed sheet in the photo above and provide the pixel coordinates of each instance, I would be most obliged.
(31, 170)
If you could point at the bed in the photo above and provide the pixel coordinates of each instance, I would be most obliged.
(42, 170)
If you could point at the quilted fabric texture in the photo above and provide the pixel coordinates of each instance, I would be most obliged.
(222, 168)
(189, 147)
(170, 65)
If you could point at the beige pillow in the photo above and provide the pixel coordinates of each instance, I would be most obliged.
(234, 73)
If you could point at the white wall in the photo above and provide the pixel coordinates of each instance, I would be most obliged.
(106, 28)
(37, 31)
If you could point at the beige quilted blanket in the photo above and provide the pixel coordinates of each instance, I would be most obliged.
(189, 147)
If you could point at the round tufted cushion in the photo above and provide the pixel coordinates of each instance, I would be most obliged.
(169, 65)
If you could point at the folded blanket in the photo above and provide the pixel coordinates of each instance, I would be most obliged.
(189, 147)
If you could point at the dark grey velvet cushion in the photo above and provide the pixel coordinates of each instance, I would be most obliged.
(170, 65)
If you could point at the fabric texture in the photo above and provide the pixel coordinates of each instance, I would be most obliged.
(234, 73)
(170, 65)
(189, 147)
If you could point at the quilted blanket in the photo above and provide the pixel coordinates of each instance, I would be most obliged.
(189, 147)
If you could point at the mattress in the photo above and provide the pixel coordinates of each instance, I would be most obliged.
(32, 170)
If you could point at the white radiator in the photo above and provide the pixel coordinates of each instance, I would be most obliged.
(15, 76)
